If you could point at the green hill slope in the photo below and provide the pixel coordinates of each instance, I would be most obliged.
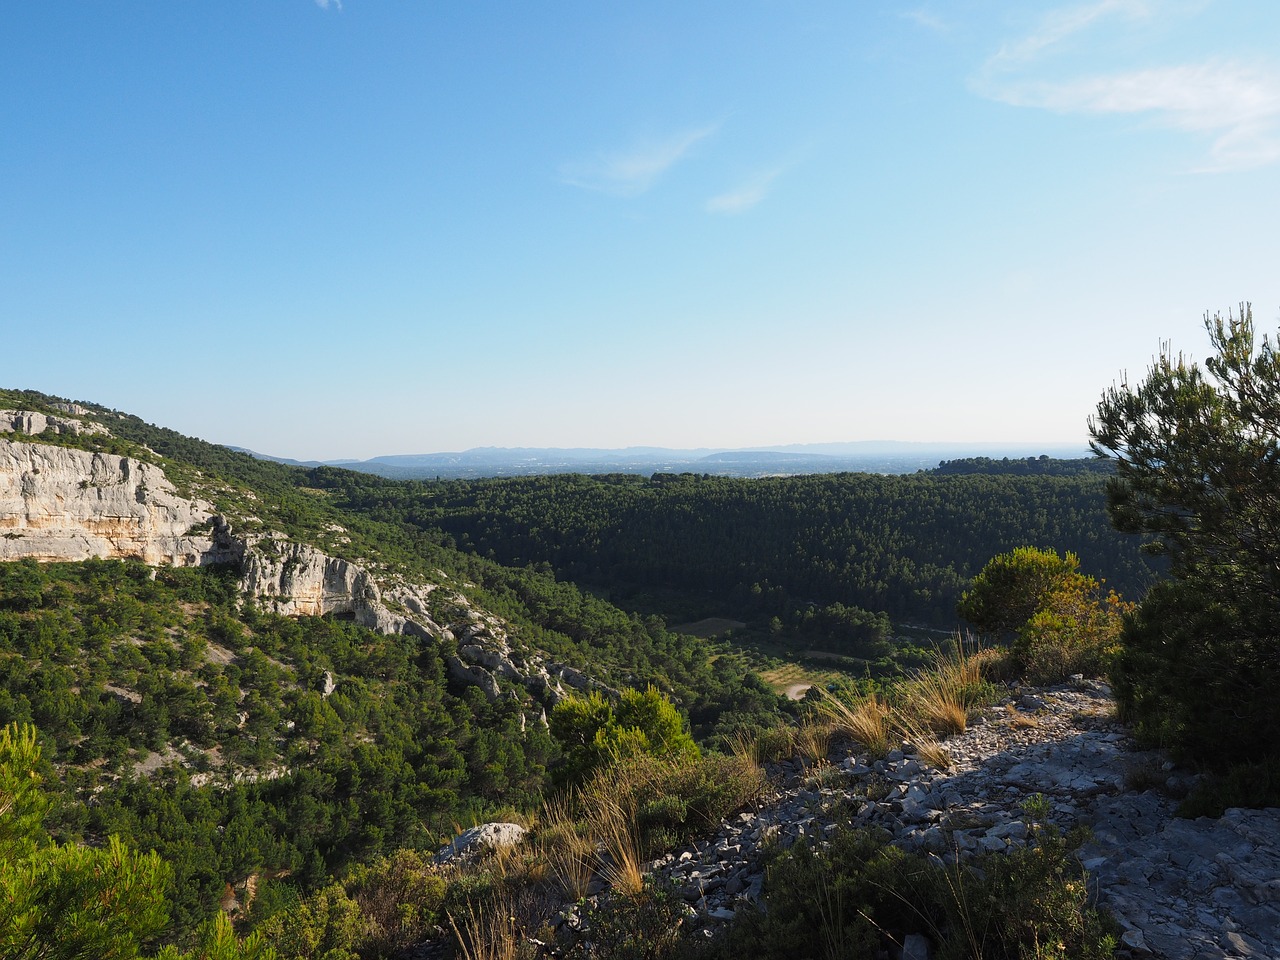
(186, 715)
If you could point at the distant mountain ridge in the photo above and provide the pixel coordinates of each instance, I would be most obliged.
(865, 456)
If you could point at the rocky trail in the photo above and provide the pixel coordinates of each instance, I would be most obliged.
(1179, 888)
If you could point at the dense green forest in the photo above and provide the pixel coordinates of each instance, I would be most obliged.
(254, 769)
(690, 546)
(198, 725)
(543, 611)
(179, 717)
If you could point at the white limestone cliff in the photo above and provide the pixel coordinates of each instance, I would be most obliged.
(296, 580)
(58, 503)
(64, 504)
(31, 423)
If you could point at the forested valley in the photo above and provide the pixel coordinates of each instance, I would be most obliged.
(276, 769)
(832, 560)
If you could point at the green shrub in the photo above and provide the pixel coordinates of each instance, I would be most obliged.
(70, 902)
(671, 800)
(1244, 785)
(1198, 675)
(401, 897)
(328, 925)
(1195, 449)
(1060, 620)
(858, 896)
(1029, 903)
(647, 926)
(592, 732)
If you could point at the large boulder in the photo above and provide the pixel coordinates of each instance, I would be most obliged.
(470, 844)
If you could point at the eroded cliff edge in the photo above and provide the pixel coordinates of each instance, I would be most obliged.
(65, 504)
(59, 503)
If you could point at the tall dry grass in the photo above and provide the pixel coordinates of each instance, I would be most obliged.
(488, 932)
(616, 826)
(867, 720)
(938, 697)
(930, 705)
(503, 923)
(813, 740)
(564, 846)
(929, 749)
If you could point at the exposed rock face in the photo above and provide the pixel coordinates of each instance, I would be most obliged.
(60, 504)
(293, 579)
(475, 675)
(63, 504)
(488, 836)
(25, 421)
(1180, 889)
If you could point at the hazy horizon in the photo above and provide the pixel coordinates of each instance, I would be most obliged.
(817, 449)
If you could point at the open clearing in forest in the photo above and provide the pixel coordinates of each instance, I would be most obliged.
(790, 678)
(708, 627)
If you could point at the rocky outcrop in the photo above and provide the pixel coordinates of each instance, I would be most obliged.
(470, 844)
(30, 423)
(474, 675)
(293, 579)
(57, 503)
(296, 580)
(63, 504)
(1178, 888)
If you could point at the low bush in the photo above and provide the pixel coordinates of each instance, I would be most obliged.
(1244, 785)
(401, 897)
(1061, 621)
(669, 801)
(858, 897)
(645, 926)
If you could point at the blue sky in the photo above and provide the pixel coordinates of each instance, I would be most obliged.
(324, 229)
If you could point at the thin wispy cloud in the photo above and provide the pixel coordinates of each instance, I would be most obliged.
(1058, 25)
(745, 196)
(632, 171)
(1239, 107)
(1236, 107)
(327, 4)
(929, 21)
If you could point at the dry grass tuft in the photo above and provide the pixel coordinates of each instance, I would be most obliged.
(617, 831)
(569, 854)
(931, 752)
(867, 720)
(747, 753)
(776, 743)
(813, 740)
(489, 932)
(1019, 720)
(502, 924)
(941, 695)
(928, 749)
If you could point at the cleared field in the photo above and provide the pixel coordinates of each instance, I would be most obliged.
(794, 678)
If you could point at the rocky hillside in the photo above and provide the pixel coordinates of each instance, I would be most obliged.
(60, 503)
(1179, 888)
(227, 668)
